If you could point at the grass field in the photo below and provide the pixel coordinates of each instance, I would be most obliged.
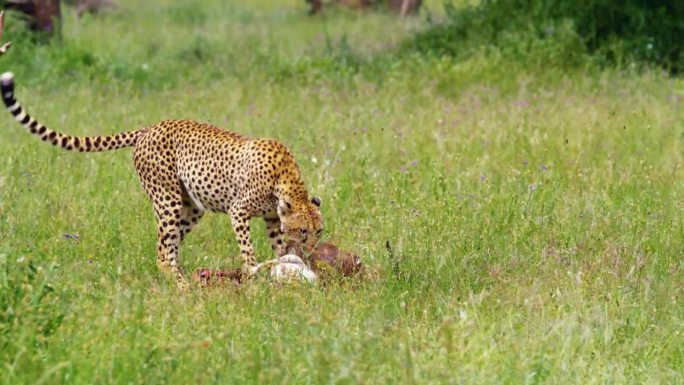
(536, 215)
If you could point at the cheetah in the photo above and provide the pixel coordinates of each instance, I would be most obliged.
(188, 168)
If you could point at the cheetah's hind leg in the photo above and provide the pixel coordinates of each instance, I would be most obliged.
(168, 206)
(176, 215)
(190, 214)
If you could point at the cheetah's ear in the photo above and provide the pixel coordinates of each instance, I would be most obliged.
(316, 201)
(284, 207)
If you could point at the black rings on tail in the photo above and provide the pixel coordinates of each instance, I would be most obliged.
(71, 143)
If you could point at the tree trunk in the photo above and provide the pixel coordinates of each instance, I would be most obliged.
(404, 7)
(45, 15)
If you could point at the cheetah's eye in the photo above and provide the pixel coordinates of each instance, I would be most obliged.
(304, 231)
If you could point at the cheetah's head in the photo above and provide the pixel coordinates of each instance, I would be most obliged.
(301, 222)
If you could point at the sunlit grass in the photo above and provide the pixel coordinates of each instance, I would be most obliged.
(535, 217)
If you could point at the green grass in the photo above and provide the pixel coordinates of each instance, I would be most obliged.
(536, 215)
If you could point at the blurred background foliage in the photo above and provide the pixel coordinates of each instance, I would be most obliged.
(564, 32)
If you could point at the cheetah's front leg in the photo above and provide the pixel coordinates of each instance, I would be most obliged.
(275, 235)
(240, 218)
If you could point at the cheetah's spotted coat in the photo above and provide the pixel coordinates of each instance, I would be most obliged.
(188, 168)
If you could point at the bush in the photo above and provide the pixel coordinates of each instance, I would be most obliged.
(615, 32)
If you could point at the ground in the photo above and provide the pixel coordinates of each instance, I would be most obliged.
(535, 214)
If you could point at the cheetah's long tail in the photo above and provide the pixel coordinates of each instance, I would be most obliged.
(71, 143)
